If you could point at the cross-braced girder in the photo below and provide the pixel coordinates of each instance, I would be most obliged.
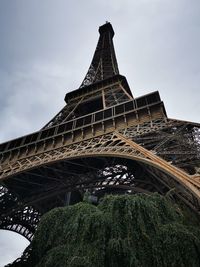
(179, 143)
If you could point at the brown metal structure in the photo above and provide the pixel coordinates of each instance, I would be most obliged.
(102, 141)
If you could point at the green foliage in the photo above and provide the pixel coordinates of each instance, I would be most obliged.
(127, 230)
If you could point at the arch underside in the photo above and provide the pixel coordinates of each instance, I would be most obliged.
(35, 191)
(16, 216)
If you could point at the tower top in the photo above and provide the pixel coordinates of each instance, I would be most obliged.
(107, 27)
(104, 63)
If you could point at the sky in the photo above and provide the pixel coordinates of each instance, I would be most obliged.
(46, 48)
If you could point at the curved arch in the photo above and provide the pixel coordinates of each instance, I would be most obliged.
(19, 229)
(23, 220)
(168, 178)
(117, 146)
(114, 144)
(182, 181)
(24, 224)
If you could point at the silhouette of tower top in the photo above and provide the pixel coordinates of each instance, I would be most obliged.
(105, 28)
(104, 62)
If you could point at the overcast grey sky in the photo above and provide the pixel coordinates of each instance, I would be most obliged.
(46, 48)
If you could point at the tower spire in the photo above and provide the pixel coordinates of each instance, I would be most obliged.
(104, 63)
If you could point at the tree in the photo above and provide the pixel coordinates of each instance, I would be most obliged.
(126, 230)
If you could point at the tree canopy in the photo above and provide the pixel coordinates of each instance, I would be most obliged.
(121, 231)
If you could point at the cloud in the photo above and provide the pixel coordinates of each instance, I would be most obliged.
(31, 97)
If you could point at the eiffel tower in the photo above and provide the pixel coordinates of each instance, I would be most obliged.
(103, 141)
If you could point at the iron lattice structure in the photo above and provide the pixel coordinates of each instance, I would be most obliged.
(103, 141)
